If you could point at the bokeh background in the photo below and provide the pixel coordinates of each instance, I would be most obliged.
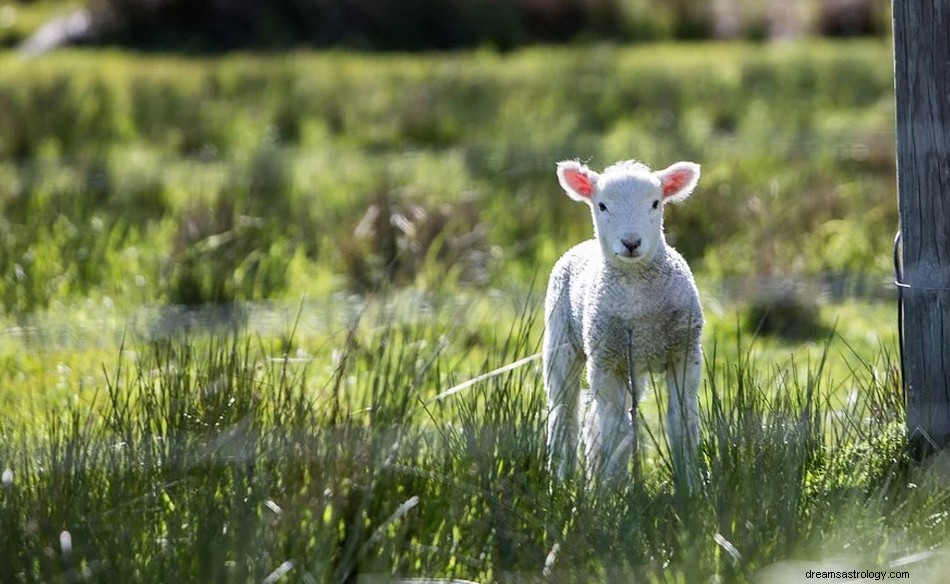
(212, 151)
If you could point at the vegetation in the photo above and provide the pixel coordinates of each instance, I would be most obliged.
(411, 202)
(189, 180)
(214, 25)
(232, 459)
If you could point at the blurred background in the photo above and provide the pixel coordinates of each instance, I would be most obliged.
(173, 152)
(219, 25)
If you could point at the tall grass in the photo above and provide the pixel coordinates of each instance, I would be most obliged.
(238, 459)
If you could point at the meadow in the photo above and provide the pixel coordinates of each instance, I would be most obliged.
(233, 288)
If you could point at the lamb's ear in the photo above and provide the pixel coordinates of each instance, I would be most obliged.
(678, 181)
(577, 180)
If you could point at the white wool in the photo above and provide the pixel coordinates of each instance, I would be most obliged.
(624, 298)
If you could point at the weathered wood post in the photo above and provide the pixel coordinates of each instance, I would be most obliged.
(922, 86)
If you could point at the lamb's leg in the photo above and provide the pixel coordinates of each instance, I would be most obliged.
(609, 433)
(562, 383)
(683, 375)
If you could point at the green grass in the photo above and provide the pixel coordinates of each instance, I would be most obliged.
(44, 356)
(191, 180)
(298, 192)
(223, 458)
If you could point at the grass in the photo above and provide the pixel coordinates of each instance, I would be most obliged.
(194, 180)
(43, 357)
(410, 200)
(230, 458)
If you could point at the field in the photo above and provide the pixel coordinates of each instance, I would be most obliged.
(233, 288)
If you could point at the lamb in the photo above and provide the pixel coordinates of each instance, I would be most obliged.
(625, 304)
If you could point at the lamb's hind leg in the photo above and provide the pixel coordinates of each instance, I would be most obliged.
(683, 375)
(562, 383)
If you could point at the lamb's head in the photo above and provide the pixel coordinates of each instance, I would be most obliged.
(626, 202)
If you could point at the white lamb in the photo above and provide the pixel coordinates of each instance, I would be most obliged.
(624, 303)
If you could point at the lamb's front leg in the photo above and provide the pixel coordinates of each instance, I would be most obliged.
(609, 432)
(562, 381)
(683, 374)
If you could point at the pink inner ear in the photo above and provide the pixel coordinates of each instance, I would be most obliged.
(675, 181)
(580, 182)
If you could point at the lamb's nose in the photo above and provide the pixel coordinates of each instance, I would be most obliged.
(631, 246)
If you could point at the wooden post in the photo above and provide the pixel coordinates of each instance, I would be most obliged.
(922, 86)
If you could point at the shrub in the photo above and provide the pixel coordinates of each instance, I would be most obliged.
(784, 312)
(397, 241)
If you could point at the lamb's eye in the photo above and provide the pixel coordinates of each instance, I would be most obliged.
(656, 204)
(602, 206)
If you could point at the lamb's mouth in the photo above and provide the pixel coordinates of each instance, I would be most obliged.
(629, 255)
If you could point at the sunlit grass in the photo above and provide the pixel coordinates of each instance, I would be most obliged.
(45, 357)
(227, 456)
(375, 230)
(148, 178)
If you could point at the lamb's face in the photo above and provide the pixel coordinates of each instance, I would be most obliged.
(628, 215)
(627, 201)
